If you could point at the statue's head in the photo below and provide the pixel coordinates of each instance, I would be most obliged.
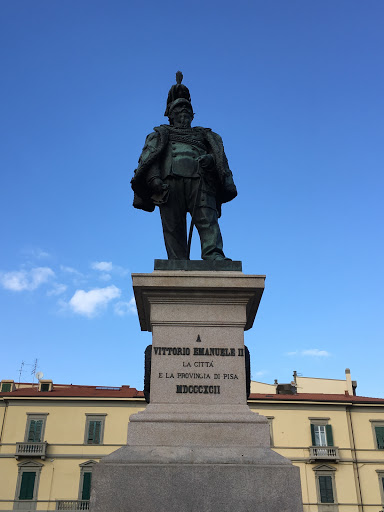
(179, 108)
(180, 113)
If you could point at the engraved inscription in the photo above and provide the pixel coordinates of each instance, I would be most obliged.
(206, 390)
(191, 367)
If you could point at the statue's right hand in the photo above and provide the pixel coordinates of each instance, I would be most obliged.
(157, 185)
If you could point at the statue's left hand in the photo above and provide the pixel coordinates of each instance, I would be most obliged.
(206, 161)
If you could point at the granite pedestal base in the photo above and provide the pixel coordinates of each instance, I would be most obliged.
(197, 447)
(169, 479)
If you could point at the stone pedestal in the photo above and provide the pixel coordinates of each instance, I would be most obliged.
(197, 447)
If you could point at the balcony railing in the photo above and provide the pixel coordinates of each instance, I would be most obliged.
(72, 505)
(31, 450)
(324, 453)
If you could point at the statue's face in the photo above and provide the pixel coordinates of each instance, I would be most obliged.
(181, 117)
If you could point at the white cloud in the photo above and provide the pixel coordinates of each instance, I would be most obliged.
(92, 302)
(260, 373)
(57, 289)
(20, 280)
(36, 252)
(125, 308)
(105, 277)
(120, 270)
(43, 254)
(313, 352)
(103, 266)
(70, 270)
(107, 266)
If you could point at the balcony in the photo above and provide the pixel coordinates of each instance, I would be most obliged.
(31, 450)
(330, 453)
(72, 505)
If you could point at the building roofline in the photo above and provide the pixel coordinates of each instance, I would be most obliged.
(315, 397)
(71, 391)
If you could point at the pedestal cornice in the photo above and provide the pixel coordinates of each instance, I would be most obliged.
(209, 287)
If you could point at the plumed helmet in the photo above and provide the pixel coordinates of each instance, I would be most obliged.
(177, 95)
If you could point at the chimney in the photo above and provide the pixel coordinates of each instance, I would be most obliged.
(349, 389)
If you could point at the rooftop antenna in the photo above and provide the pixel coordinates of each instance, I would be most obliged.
(21, 370)
(34, 367)
(33, 372)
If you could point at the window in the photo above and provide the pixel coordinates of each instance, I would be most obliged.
(86, 489)
(27, 485)
(6, 387)
(378, 433)
(380, 474)
(322, 447)
(325, 483)
(94, 428)
(86, 480)
(34, 432)
(94, 431)
(326, 489)
(27, 482)
(45, 385)
(321, 432)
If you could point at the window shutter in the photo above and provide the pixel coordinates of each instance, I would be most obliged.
(34, 433)
(91, 427)
(27, 485)
(313, 434)
(326, 491)
(94, 432)
(97, 432)
(38, 429)
(31, 433)
(6, 387)
(380, 437)
(328, 430)
(86, 492)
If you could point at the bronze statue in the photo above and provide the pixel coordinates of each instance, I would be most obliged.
(184, 169)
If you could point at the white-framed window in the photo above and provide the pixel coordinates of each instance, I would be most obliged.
(321, 432)
(320, 435)
(94, 428)
(86, 479)
(35, 427)
(27, 483)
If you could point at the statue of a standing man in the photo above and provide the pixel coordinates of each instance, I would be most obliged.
(184, 169)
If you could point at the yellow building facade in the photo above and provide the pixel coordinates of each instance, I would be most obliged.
(52, 435)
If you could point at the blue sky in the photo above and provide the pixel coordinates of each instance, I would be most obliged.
(295, 88)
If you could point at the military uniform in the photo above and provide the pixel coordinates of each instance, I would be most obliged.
(171, 154)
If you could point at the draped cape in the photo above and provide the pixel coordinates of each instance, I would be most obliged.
(153, 152)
